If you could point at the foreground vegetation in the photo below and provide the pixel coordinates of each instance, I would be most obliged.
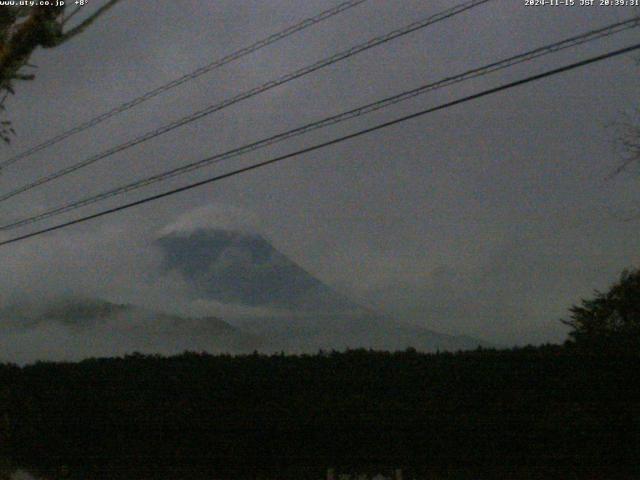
(536, 407)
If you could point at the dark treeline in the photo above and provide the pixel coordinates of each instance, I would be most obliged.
(546, 406)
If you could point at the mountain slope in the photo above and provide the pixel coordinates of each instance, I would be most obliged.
(308, 334)
(245, 269)
(72, 329)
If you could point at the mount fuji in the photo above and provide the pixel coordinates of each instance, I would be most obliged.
(241, 267)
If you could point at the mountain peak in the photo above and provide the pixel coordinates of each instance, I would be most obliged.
(213, 217)
(240, 267)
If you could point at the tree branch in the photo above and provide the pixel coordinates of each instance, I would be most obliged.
(31, 33)
(70, 16)
(83, 25)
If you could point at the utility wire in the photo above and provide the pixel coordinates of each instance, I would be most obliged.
(319, 146)
(308, 22)
(250, 93)
(341, 117)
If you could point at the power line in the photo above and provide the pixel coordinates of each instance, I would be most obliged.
(250, 93)
(334, 119)
(306, 23)
(319, 146)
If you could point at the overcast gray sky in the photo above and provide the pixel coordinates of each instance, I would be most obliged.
(490, 218)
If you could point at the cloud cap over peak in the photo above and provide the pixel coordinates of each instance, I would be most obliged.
(217, 216)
